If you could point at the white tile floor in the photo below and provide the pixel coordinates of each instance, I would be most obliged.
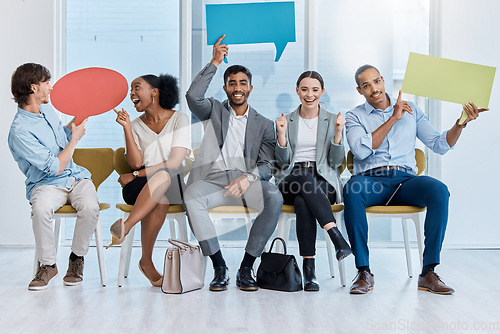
(394, 306)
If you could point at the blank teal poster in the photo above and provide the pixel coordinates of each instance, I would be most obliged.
(247, 23)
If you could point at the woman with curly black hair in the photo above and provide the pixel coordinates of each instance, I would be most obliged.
(156, 144)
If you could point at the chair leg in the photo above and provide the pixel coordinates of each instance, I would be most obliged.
(341, 227)
(248, 223)
(181, 220)
(129, 250)
(404, 223)
(125, 253)
(171, 223)
(283, 230)
(100, 252)
(57, 229)
(330, 253)
(420, 243)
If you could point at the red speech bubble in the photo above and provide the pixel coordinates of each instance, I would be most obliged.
(88, 92)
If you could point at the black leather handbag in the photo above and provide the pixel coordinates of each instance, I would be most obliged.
(279, 271)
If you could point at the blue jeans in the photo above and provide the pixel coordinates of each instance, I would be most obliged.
(365, 190)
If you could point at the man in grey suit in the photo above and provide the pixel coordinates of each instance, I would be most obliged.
(233, 166)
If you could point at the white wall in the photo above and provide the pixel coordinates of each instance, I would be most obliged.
(469, 32)
(27, 36)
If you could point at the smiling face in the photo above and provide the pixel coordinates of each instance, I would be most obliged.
(238, 89)
(309, 92)
(141, 94)
(41, 92)
(372, 87)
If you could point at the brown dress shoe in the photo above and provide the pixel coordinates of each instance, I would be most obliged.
(363, 282)
(432, 282)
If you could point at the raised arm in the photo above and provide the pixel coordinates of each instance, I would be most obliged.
(400, 108)
(336, 150)
(195, 96)
(66, 154)
(282, 150)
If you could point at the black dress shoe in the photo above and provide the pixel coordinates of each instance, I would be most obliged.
(342, 247)
(245, 281)
(310, 282)
(221, 279)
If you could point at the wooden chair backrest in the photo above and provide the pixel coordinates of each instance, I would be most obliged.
(419, 158)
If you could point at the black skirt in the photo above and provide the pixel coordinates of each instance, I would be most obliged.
(132, 189)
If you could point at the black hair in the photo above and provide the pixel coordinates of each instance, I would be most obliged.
(311, 74)
(25, 76)
(361, 70)
(167, 88)
(237, 69)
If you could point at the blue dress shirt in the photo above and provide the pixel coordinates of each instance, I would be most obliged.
(398, 147)
(35, 141)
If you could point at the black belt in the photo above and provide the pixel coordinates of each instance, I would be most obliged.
(388, 168)
(305, 164)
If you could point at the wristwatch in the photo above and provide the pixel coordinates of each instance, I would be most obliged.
(135, 173)
(251, 177)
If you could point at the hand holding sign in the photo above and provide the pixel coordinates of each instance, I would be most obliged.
(77, 131)
(219, 52)
(266, 22)
(470, 112)
(88, 92)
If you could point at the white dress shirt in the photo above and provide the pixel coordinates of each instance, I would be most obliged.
(231, 156)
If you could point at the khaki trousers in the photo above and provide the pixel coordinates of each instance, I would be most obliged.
(46, 199)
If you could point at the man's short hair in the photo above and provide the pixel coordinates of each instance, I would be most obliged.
(237, 69)
(361, 70)
(25, 76)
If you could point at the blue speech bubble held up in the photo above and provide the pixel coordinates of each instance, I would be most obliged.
(246, 23)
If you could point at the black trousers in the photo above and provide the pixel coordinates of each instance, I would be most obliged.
(312, 197)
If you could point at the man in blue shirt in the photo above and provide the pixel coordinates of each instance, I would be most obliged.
(381, 134)
(43, 149)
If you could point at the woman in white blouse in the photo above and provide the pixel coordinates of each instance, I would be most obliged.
(308, 155)
(156, 144)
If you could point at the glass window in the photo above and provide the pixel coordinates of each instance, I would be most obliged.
(273, 82)
(132, 38)
(135, 38)
(382, 33)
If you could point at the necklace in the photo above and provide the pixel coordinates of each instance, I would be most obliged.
(313, 124)
(154, 122)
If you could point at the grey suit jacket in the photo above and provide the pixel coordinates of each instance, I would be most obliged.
(260, 138)
(329, 156)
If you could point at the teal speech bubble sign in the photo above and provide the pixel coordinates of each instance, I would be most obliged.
(266, 22)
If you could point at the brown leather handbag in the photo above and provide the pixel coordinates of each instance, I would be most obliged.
(184, 268)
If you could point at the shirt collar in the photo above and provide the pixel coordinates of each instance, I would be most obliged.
(30, 114)
(233, 113)
(369, 108)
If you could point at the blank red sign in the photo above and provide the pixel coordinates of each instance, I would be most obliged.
(88, 92)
